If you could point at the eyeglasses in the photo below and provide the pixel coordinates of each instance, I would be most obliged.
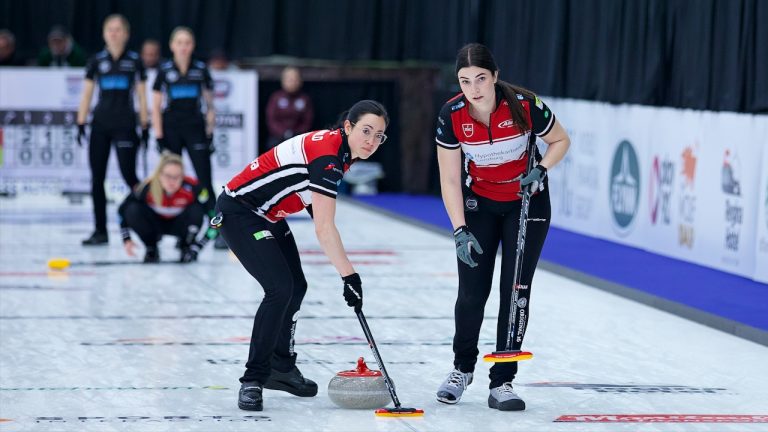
(368, 133)
(171, 177)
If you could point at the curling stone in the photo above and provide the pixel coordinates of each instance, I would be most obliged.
(360, 388)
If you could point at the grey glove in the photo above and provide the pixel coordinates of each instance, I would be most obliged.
(534, 179)
(465, 242)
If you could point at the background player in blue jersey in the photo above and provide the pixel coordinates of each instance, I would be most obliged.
(117, 72)
(184, 82)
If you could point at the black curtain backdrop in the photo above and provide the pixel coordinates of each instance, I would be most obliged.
(702, 54)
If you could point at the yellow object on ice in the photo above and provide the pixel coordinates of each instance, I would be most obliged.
(399, 412)
(503, 357)
(58, 263)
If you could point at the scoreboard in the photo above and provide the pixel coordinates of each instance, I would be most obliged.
(38, 146)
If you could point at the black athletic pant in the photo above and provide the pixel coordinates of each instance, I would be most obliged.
(493, 222)
(181, 134)
(150, 227)
(126, 143)
(268, 252)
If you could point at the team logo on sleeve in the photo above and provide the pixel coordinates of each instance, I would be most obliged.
(468, 128)
(332, 167)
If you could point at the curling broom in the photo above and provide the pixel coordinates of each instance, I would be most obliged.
(398, 410)
(512, 355)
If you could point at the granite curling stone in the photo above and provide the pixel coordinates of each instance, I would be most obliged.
(360, 388)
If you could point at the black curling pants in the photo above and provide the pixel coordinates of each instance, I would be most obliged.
(126, 143)
(495, 222)
(150, 227)
(190, 134)
(268, 252)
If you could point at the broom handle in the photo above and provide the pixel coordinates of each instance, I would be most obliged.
(372, 344)
(525, 204)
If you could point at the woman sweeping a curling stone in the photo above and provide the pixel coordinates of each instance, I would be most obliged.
(489, 123)
(115, 70)
(301, 172)
(186, 81)
(167, 203)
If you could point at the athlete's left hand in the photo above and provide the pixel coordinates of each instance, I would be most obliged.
(209, 140)
(534, 179)
(129, 247)
(80, 135)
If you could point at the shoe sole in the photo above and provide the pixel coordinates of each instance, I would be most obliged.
(448, 401)
(510, 405)
(279, 386)
(250, 407)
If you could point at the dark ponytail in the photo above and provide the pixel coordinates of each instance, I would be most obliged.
(479, 55)
(360, 109)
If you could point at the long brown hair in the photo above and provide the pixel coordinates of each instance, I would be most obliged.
(479, 55)
(155, 187)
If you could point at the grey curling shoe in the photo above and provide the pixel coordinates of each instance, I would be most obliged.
(453, 387)
(503, 398)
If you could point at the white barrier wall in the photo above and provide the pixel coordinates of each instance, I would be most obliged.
(688, 184)
(37, 131)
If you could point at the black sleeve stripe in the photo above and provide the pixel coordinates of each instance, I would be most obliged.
(322, 190)
(448, 146)
(549, 126)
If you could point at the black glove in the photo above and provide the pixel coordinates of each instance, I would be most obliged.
(465, 242)
(209, 141)
(161, 145)
(189, 254)
(535, 178)
(353, 291)
(80, 135)
(144, 137)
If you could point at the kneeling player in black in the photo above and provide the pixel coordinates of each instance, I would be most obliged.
(301, 172)
(167, 203)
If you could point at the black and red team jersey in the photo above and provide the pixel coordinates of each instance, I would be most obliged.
(172, 205)
(281, 181)
(495, 154)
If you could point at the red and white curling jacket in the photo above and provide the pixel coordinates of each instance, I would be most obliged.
(281, 181)
(494, 154)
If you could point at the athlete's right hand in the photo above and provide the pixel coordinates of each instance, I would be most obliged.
(80, 135)
(160, 144)
(144, 140)
(465, 242)
(353, 291)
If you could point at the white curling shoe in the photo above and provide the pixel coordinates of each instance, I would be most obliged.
(503, 398)
(453, 387)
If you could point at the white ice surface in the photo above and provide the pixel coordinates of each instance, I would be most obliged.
(160, 347)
